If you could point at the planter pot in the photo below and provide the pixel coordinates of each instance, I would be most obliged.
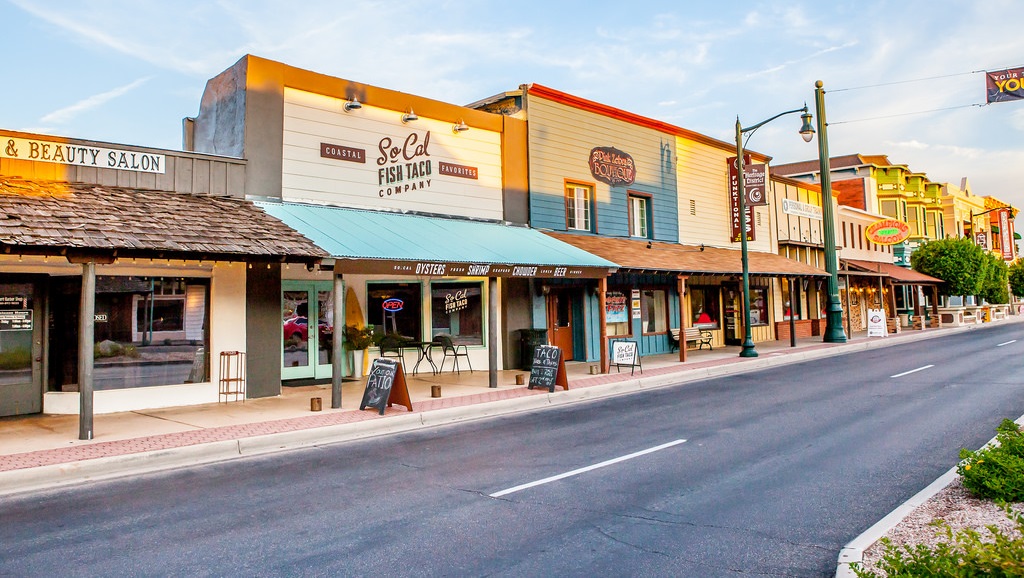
(357, 363)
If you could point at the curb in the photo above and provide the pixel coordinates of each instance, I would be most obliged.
(853, 552)
(60, 475)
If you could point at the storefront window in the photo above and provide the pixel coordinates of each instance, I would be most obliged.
(457, 309)
(758, 306)
(149, 331)
(616, 310)
(395, 309)
(791, 303)
(654, 308)
(704, 305)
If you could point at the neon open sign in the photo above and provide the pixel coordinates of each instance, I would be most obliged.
(392, 304)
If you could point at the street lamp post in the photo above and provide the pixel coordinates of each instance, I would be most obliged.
(833, 308)
(807, 132)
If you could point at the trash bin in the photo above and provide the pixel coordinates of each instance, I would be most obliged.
(528, 340)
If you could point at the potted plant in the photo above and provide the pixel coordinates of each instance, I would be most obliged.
(357, 339)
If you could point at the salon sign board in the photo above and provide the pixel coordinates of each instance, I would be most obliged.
(887, 232)
(64, 153)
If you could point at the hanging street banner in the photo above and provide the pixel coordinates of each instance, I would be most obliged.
(1005, 235)
(1004, 85)
(734, 202)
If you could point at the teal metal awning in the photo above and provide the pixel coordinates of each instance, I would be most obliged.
(363, 241)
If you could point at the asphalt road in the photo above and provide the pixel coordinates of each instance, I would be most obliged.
(777, 472)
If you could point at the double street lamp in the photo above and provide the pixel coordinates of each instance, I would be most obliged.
(807, 132)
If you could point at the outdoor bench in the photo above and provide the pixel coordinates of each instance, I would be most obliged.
(700, 336)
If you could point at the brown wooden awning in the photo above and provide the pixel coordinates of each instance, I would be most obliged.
(642, 255)
(83, 221)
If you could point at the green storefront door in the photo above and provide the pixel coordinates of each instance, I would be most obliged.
(307, 331)
(21, 320)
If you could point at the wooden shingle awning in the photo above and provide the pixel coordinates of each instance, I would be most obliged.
(643, 255)
(83, 221)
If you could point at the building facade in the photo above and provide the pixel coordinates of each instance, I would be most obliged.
(127, 271)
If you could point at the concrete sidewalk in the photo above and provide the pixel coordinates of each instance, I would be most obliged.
(42, 451)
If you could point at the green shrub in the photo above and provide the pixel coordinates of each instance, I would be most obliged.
(996, 472)
(965, 555)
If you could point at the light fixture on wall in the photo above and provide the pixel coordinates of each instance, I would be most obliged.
(460, 127)
(409, 116)
(353, 104)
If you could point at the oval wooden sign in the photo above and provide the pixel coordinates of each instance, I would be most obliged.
(887, 232)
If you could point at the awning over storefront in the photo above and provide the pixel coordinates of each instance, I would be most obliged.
(658, 256)
(899, 275)
(88, 221)
(376, 242)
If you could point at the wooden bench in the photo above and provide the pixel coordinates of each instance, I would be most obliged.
(701, 337)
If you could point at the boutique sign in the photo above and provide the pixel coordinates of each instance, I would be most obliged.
(612, 166)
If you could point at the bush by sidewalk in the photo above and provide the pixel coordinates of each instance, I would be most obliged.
(995, 472)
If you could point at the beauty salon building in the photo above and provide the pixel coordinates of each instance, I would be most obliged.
(169, 253)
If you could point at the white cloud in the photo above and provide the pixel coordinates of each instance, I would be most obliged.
(67, 113)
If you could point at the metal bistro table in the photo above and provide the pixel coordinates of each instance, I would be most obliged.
(422, 349)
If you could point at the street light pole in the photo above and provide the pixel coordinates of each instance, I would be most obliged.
(833, 308)
(807, 132)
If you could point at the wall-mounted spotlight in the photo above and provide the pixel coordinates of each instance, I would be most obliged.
(460, 127)
(409, 116)
(353, 104)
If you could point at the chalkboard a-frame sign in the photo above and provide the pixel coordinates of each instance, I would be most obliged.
(548, 368)
(385, 385)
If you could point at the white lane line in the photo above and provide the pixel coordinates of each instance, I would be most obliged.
(586, 469)
(1007, 343)
(912, 371)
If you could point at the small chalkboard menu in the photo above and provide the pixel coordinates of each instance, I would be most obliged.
(548, 368)
(385, 385)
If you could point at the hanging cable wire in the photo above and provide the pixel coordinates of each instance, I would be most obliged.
(905, 81)
(979, 104)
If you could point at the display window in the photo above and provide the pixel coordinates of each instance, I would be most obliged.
(149, 331)
(616, 309)
(705, 306)
(654, 310)
(395, 309)
(457, 310)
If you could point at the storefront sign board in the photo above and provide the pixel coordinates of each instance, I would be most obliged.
(887, 232)
(876, 323)
(548, 368)
(385, 385)
(81, 155)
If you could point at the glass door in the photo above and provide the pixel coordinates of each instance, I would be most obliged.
(21, 384)
(307, 337)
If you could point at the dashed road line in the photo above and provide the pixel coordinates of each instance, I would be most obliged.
(585, 469)
(912, 371)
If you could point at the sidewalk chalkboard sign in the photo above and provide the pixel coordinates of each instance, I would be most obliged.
(548, 368)
(385, 385)
(625, 352)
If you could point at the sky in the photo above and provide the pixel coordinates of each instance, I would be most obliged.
(902, 78)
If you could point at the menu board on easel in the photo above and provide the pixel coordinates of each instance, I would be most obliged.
(385, 385)
(548, 368)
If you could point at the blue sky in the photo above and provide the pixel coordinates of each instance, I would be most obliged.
(128, 72)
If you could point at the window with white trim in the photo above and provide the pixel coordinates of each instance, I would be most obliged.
(639, 216)
(578, 207)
